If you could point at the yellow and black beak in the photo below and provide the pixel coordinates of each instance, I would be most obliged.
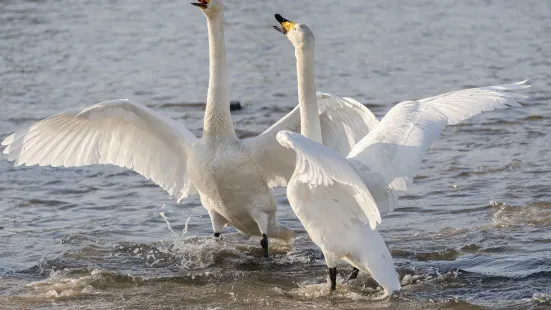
(286, 24)
(202, 3)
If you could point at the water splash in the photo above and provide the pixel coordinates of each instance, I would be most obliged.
(321, 291)
(168, 224)
(184, 231)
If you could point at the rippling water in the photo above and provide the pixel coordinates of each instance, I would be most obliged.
(473, 232)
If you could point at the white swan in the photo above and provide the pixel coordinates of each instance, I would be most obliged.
(231, 176)
(339, 200)
(326, 193)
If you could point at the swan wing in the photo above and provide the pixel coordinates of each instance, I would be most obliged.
(322, 172)
(276, 162)
(116, 132)
(344, 121)
(389, 157)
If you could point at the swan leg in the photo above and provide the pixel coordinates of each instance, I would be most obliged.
(331, 260)
(353, 275)
(333, 278)
(218, 222)
(264, 244)
(262, 219)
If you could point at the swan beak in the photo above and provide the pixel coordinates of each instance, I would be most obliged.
(286, 24)
(203, 4)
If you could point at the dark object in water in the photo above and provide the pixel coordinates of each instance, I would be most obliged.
(235, 105)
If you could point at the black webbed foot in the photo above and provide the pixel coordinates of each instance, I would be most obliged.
(353, 275)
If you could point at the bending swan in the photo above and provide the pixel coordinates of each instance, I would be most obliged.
(230, 176)
(339, 200)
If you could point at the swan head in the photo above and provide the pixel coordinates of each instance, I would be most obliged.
(299, 34)
(210, 7)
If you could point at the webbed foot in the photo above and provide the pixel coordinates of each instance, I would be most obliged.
(353, 275)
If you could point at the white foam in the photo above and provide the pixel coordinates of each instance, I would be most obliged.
(58, 285)
(538, 214)
(321, 291)
(542, 298)
(199, 252)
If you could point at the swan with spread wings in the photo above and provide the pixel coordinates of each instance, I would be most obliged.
(339, 199)
(233, 177)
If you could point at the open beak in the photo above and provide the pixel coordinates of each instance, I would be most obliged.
(201, 3)
(285, 24)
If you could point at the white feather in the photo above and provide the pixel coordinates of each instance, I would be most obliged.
(117, 132)
(389, 157)
(320, 167)
(344, 122)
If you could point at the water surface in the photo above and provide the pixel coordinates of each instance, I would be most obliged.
(472, 233)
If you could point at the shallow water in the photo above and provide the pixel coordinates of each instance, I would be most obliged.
(472, 233)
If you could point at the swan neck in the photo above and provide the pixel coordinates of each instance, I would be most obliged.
(218, 123)
(307, 99)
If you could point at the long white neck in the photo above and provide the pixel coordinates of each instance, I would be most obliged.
(218, 123)
(307, 99)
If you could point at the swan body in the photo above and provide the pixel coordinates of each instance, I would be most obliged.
(233, 189)
(338, 199)
(232, 177)
(327, 194)
(230, 182)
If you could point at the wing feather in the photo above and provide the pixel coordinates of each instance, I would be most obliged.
(344, 121)
(319, 167)
(116, 132)
(390, 155)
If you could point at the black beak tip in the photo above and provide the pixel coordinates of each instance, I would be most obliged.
(280, 18)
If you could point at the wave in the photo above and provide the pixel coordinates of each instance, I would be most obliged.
(535, 214)
(78, 282)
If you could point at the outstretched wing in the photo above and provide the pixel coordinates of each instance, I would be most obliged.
(116, 132)
(343, 121)
(324, 176)
(389, 157)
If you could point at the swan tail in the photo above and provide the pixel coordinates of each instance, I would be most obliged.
(375, 259)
